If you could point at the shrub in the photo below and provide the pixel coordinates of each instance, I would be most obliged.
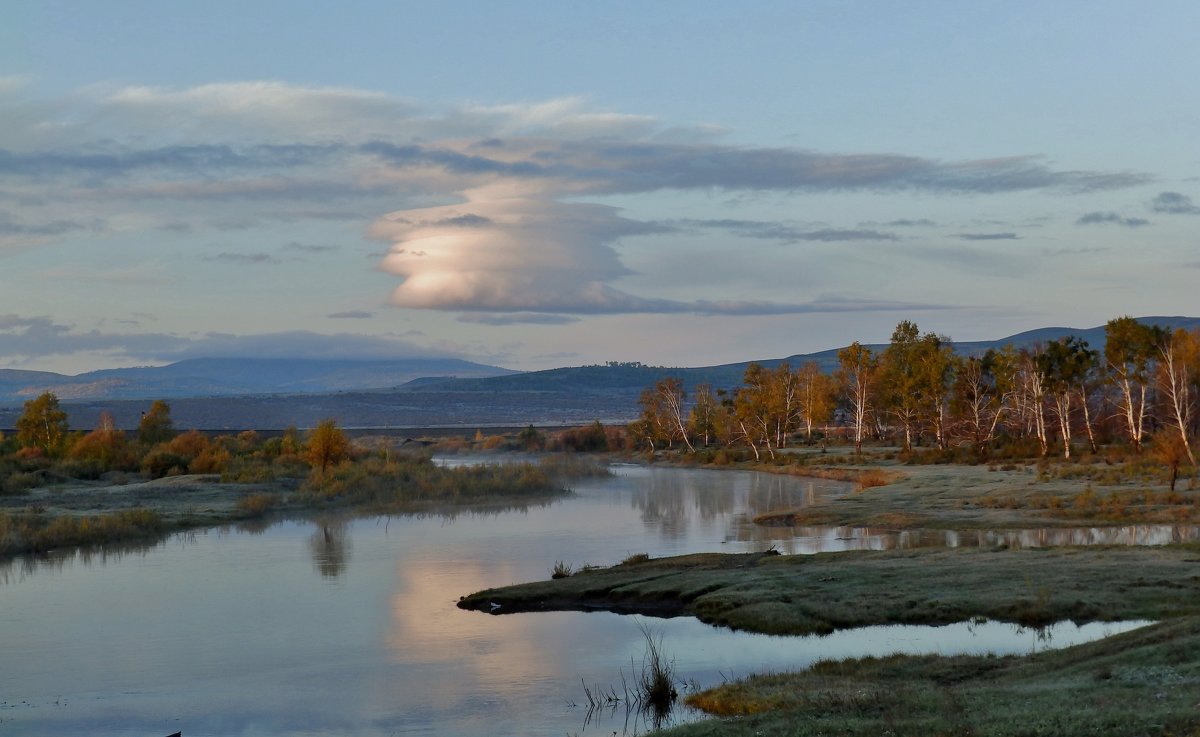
(160, 462)
(257, 504)
(213, 459)
(189, 445)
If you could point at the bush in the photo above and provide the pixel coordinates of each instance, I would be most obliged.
(159, 463)
(189, 445)
(213, 459)
(257, 504)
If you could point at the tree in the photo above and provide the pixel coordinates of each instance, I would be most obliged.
(327, 445)
(816, 392)
(914, 373)
(1177, 356)
(43, 425)
(156, 425)
(857, 366)
(1030, 396)
(1168, 449)
(1064, 367)
(753, 409)
(703, 419)
(662, 409)
(531, 439)
(982, 389)
(1130, 349)
(106, 445)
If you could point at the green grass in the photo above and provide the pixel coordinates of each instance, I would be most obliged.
(806, 594)
(1144, 682)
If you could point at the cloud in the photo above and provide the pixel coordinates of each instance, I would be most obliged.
(534, 255)
(23, 338)
(909, 223)
(517, 318)
(1174, 203)
(301, 344)
(351, 315)
(243, 258)
(783, 232)
(545, 257)
(520, 240)
(307, 248)
(1106, 218)
(987, 236)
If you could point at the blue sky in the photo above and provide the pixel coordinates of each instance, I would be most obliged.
(536, 184)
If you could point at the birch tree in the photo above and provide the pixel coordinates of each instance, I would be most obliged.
(1177, 355)
(1130, 349)
(857, 366)
(43, 424)
(816, 391)
(1063, 367)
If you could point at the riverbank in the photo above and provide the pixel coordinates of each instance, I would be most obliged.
(88, 513)
(1143, 682)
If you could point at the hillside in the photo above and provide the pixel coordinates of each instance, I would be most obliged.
(273, 394)
(216, 377)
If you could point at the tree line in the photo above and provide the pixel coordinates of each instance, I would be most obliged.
(1143, 385)
(44, 441)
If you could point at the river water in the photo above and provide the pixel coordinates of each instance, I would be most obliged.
(339, 627)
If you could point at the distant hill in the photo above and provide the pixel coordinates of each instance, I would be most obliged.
(236, 394)
(215, 377)
(624, 377)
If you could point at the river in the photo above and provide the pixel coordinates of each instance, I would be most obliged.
(337, 627)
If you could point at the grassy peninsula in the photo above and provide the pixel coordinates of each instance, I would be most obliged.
(1141, 682)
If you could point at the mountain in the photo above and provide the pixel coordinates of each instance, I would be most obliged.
(215, 377)
(235, 394)
(632, 376)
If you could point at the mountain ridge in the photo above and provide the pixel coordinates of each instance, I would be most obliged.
(431, 397)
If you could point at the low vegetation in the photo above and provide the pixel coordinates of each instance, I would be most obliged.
(813, 594)
(60, 489)
(1142, 682)
(35, 532)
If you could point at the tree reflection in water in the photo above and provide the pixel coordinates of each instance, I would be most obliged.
(330, 546)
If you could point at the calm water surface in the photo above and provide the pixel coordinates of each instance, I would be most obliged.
(350, 628)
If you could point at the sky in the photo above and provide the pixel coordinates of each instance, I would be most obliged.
(542, 184)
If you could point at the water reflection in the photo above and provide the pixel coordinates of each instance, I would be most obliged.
(330, 546)
(236, 631)
(832, 539)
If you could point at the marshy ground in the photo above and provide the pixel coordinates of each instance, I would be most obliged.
(1142, 682)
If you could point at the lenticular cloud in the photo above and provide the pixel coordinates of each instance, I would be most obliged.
(506, 255)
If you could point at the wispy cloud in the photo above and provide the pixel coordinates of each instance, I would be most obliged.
(516, 318)
(987, 236)
(1174, 203)
(351, 315)
(1111, 218)
(24, 338)
(520, 239)
(243, 258)
(783, 232)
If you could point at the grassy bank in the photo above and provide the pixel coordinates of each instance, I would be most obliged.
(805, 594)
(1143, 682)
(966, 497)
(99, 512)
